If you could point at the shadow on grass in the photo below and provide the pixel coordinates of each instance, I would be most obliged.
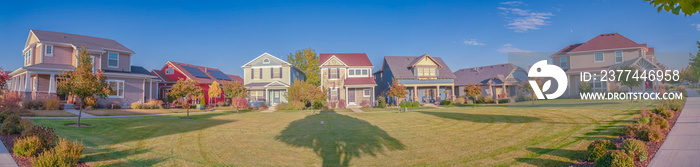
(563, 105)
(608, 131)
(483, 118)
(542, 162)
(565, 153)
(339, 139)
(108, 155)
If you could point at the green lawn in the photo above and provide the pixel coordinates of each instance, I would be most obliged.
(494, 135)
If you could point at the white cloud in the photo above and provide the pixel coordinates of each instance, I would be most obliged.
(509, 48)
(521, 20)
(697, 26)
(473, 42)
(513, 3)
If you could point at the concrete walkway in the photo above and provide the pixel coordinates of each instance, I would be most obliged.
(6, 157)
(71, 109)
(682, 146)
(356, 109)
(270, 109)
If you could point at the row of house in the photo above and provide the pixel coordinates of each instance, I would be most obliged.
(347, 77)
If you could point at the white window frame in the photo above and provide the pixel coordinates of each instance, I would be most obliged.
(564, 62)
(621, 56)
(366, 92)
(266, 61)
(595, 56)
(92, 58)
(110, 59)
(117, 90)
(334, 94)
(28, 58)
(169, 70)
(358, 72)
(46, 50)
(334, 74)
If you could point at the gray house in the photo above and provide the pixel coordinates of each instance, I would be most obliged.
(500, 81)
(267, 79)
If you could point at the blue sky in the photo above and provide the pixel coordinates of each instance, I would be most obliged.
(226, 35)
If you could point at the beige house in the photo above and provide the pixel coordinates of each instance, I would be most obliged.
(500, 81)
(267, 78)
(605, 52)
(348, 78)
(48, 53)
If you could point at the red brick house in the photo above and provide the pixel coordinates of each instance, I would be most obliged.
(174, 71)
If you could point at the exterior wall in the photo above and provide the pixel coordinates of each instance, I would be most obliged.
(423, 81)
(586, 60)
(61, 55)
(383, 80)
(177, 75)
(359, 96)
(124, 61)
(132, 92)
(339, 83)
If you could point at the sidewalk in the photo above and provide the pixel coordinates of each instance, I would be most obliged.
(6, 158)
(682, 146)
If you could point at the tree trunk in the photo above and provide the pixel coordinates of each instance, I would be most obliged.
(80, 112)
(236, 107)
(188, 108)
(533, 99)
(630, 90)
(474, 101)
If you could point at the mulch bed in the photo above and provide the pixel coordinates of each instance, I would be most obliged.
(652, 147)
(9, 142)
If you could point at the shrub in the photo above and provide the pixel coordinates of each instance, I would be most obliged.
(461, 100)
(293, 105)
(114, 105)
(25, 123)
(33, 104)
(659, 121)
(136, 105)
(501, 101)
(446, 102)
(52, 104)
(48, 159)
(155, 103)
(643, 120)
(364, 103)
(631, 129)
(599, 147)
(46, 135)
(4, 114)
(341, 103)
(10, 100)
(416, 104)
(11, 125)
(668, 114)
(66, 153)
(615, 158)
(649, 133)
(402, 104)
(27, 146)
(320, 104)
(220, 104)
(682, 90)
(381, 102)
(645, 113)
(635, 148)
(484, 99)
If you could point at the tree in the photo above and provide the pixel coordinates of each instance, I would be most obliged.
(396, 91)
(472, 91)
(186, 90)
(308, 61)
(695, 63)
(688, 7)
(629, 71)
(235, 91)
(3, 79)
(214, 91)
(307, 93)
(686, 74)
(82, 82)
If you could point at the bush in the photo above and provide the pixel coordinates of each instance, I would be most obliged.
(631, 129)
(643, 120)
(416, 104)
(319, 104)
(341, 104)
(364, 103)
(46, 135)
(381, 102)
(446, 102)
(659, 121)
(668, 114)
(66, 153)
(599, 147)
(25, 123)
(4, 114)
(635, 148)
(113, 105)
(52, 104)
(220, 104)
(461, 100)
(402, 105)
(27, 146)
(294, 105)
(501, 101)
(11, 125)
(10, 100)
(615, 158)
(649, 133)
(484, 99)
(682, 90)
(33, 104)
(136, 105)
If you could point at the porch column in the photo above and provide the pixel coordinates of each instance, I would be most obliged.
(437, 93)
(346, 96)
(415, 93)
(453, 92)
(143, 91)
(157, 91)
(52, 83)
(27, 82)
(150, 89)
(505, 91)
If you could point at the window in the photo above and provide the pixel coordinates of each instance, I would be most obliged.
(598, 56)
(351, 72)
(367, 92)
(169, 70)
(563, 62)
(113, 59)
(618, 56)
(364, 72)
(28, 58)
(117, 88)
(266, 61)
(276, 72)
(333, 73)
(357, 72)
(598, 85)
(426, 72)
(334, 94)
(49, 50)
(257, 96)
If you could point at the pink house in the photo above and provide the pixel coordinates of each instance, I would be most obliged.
(48, 53)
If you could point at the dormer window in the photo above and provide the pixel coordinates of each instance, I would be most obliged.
(426, 72)
(169, 71)
(27, 58)
(266, 61)
(49, 50)
(113, 59)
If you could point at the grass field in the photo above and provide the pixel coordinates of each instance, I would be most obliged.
(51, 113)
(553, 133)
(110, 112)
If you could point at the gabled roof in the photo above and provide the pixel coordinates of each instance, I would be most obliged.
(349, 59)
(483, 74)
(602, 42)
(416, 60)
(359, 81)
(183, 68)
(91, 43)
(263, 55)
(401, 67)
(160, 74)
(635, 62)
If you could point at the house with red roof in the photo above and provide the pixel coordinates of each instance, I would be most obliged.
(174, 71)
(348, 79)
(427, 79)
(608, 51)
(47, 54)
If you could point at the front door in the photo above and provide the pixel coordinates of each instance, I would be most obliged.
(275, 97)
(351, 97)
